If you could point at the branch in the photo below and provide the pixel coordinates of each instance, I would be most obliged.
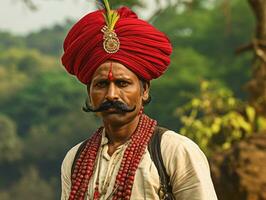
(30, 4)
(258, 51)
(160, 9)
(156, 13)
(255, 44)
(243, 48)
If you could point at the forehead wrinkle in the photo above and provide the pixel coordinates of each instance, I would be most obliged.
(117, 71)
(100, 74)
(117, 74)
(122, 73)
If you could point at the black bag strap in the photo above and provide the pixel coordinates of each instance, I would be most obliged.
(154, 148)
(80, 149)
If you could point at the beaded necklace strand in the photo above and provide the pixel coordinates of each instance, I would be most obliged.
(85, 164)
(101, 191)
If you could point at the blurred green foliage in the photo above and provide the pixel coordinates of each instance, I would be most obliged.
(40, 120)
(40, 104)
(10, 144)
(215, 119)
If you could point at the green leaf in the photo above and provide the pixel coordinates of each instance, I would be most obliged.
(250, 113)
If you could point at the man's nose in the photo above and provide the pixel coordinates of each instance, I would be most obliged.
(112, 93)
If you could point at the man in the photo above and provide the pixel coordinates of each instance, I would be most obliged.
(116, 55)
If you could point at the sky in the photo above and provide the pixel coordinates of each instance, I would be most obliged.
(18, 19)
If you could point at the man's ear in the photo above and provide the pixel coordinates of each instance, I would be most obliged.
(88, 93)
(146, 91)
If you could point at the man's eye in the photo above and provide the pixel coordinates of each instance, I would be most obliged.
(121, 83)
(102, 84)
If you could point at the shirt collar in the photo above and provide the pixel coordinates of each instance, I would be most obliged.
(105, 140)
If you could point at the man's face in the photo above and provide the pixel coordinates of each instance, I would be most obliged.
(114, 82)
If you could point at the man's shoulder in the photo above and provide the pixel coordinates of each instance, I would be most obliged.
(180, 144)
(171, 137)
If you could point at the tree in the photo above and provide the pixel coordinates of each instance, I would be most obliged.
(257, 85)
(10, 143)
(7, 41)
(31, 187)
(49, 41)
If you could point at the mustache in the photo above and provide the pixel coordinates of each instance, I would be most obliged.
(118, 105)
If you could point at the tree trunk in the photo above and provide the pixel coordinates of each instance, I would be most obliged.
(257, 85)
(239, 173)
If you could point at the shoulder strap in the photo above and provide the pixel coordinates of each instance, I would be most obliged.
(154, 148)
(80, 149)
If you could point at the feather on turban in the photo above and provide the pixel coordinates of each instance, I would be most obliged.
(143, 49)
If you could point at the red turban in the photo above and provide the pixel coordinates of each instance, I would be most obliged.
(143, 49)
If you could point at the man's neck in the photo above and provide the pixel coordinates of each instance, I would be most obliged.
(120, 134)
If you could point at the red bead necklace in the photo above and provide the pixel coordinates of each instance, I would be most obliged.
(85, 164)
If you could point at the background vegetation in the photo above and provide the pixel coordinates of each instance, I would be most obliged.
(201, 95)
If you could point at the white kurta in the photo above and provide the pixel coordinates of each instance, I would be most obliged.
(184, 162)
